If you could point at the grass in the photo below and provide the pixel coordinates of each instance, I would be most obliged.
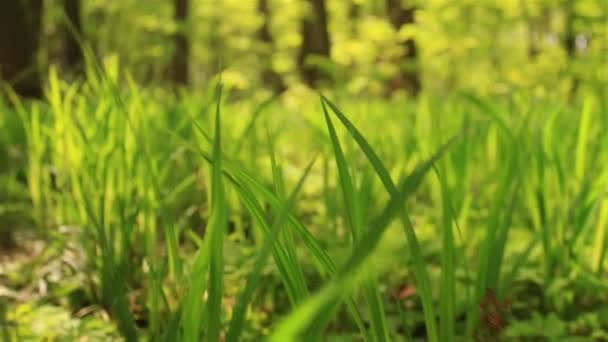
(199, 217)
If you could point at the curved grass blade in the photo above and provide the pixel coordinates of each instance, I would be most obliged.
(250, 125)
(216, 235)
(354, 213)
(419, 268)
(238, 316)
(493, 244)
(311, 312)
(447, 294)
(209, 257)
(298, 290)
(487, 109)
(247, 185)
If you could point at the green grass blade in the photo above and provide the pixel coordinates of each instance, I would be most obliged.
(355, 220)
(348, 187)
(447, 294)
(216, 235)
(599, 246)
(487, 277)
(207, 270)
(364, 146)
(244, 180)
(496, 257)
(583, 138)
(238, 316)
(309, 313)
(417, 258)
(251, 124)
(486, 108)
(298, 290)
(518, 264)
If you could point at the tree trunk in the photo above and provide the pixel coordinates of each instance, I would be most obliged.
(19, 42)
(408, 78)
(354, 13)
(270, 77)
(533, 38)
(569, 43)
(315, 42)
(73, 56)
(569, 34)
(182, 44)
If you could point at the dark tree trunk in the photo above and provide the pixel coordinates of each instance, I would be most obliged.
(569, 34)
(73, 56)
(408, 78)
(569, 43)
(537, 29)
(315, 42)
(354, 12)
(19, 42)
(533, 49)
(182, 44)
(270, 77)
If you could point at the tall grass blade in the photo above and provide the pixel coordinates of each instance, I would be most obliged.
(236, 324)
(207, 270)
(418, 260)
(583, 138)
(216, 235)
(310, 312)
(447, 315)
(355, 220)
(298, 289)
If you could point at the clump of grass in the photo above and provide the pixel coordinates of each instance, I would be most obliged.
(130, 170)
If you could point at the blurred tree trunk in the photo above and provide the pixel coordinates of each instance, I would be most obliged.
(408, 78)
(73, 55)
(569, 34)
(533, 38)
(182, 44)
(270, 77)
(354, 13)
(539, 28)
(354, 10)
(569, 43)
(20, 23)
(315, 41)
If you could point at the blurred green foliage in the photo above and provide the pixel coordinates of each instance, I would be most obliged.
(113, 173)
(489, 46)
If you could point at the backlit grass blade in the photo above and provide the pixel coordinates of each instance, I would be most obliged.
(487, 276)
(171, 234)
(238, 315)
(348, 187)
(254, 118)
(583, 138)
(419, 268)
(216, 235)
(192, 305)
(599, 246)
(488, 109)
(324, 261)
(238, 176)
(310, 313)
(355, 220)
(298, 289)
(209, 258)
(113, 288)
(518, 264)
(496, 257)
(247, 186)
(447, 294)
